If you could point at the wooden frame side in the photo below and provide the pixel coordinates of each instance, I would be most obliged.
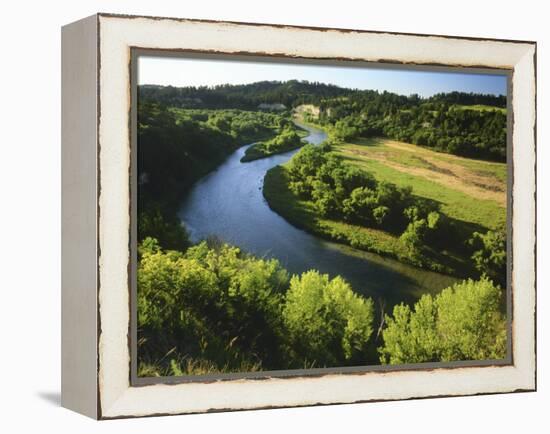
(79, 391)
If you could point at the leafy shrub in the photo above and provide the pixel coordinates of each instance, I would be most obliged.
(413, 239)
(490, 254)
(446, 122)
(463, 322)
(213, 303)
(326, 322)
(170, 232)
(286, 140)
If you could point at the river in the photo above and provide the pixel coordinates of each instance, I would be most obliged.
(228, 204)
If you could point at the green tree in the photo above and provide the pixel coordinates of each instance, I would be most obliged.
(325, 321)
(211, 303)
(490, 254)
(306, 162)
(413, 239)
(360, 205)
(463, 322)
(170, 232)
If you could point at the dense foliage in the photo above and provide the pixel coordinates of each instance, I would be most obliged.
(210, 304)
(470, 99)
(245, 96)
(211, 307)
(217, 308)
(467, 124)
(177, 147)
(287, 140)
(433, 122)
(341, 191)
(490, 254)
(326, 323)
(165, 228)
(463, 322)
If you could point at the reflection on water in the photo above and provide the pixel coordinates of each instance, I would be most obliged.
(229, 204)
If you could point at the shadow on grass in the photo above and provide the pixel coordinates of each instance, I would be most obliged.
(450, 252)
(367, 141)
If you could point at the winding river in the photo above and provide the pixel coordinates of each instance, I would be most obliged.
(228, 204)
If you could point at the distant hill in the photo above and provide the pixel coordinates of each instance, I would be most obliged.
(467, 124)
(245, 96)
(291, 94)
(470, 99)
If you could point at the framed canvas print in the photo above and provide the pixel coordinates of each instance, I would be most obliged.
(261, 216)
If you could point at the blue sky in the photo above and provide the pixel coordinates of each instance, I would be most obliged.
(199, 72)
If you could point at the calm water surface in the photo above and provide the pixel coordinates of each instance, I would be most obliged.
(228, 204)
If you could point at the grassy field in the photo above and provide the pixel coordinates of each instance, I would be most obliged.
(302, 214)
(480, 107)
(471, 193)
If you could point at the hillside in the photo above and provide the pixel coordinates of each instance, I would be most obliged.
(469, 195)
(466, 124)
(246, 96)
(292, 93)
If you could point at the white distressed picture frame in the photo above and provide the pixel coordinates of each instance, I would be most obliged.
(96, 254)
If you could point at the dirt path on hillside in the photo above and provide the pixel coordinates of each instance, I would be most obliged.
(449, 174)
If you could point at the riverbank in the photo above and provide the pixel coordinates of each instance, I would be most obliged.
(471, 195)
(284, 142)
(303, 215)
(228, 204)
(178, 147)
